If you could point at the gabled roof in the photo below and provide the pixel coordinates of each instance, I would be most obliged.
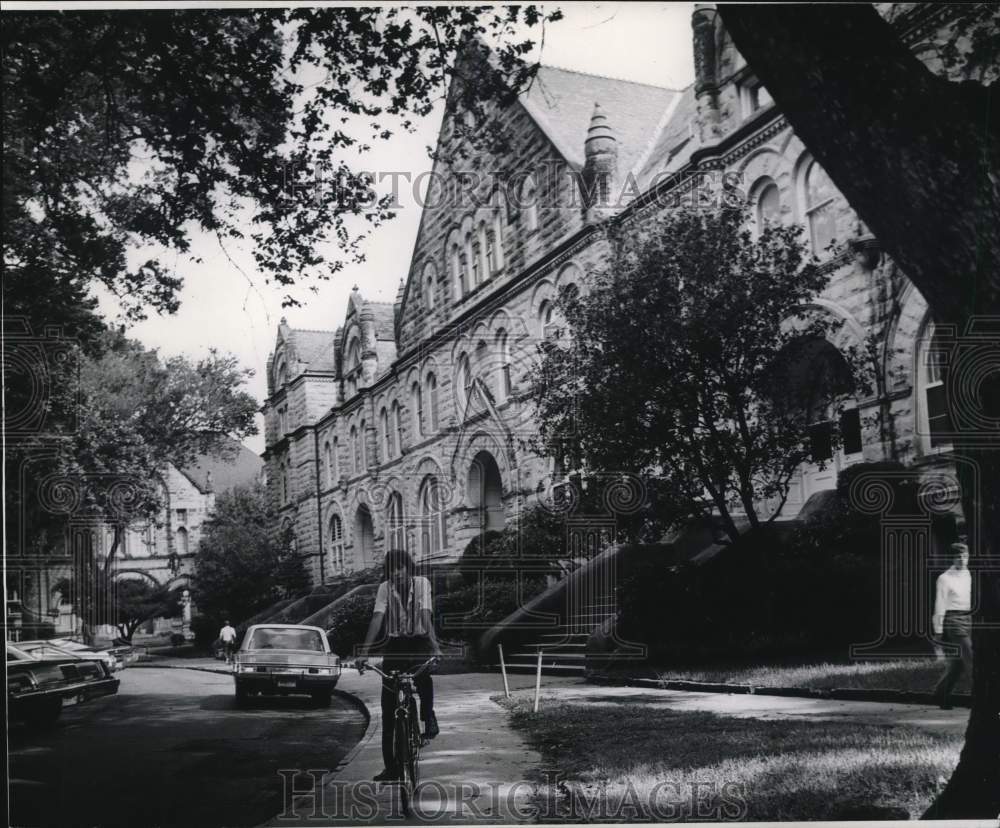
(313, 348)
(562, 102)
(676, 141)
(384, 320)
(219, 474)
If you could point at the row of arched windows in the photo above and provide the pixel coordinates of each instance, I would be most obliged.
(430, 525)
(817, 195)
(474, 250)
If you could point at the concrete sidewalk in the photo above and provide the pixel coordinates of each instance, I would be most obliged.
(478, 770)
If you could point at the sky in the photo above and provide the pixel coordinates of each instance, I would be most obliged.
(227, 304)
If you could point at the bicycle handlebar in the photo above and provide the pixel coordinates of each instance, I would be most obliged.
(426, 665)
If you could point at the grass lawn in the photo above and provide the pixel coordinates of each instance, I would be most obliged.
(919, 675)
(677, 765)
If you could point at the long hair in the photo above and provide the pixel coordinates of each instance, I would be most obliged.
(398, 559)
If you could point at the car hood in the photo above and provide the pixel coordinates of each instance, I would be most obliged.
(291, 658)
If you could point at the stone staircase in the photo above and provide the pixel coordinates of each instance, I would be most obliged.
(563, 648)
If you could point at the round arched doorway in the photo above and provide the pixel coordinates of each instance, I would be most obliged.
(485, 492)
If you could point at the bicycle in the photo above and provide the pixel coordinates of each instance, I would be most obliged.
(407, 739)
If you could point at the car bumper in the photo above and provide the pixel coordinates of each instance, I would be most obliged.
(81, 691)
(285, 682)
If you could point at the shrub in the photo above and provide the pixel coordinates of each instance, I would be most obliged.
(499, 599)
(762, 597)
(349, 623)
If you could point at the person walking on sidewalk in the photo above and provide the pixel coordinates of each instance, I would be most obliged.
(403, 616)
(952, 621)
(227, 635)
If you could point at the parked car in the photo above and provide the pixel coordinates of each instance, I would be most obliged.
(283, 659)
(57, 647)
(38, 684)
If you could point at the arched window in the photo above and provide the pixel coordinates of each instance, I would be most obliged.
(819, 204)
(549, 320)
(281, 375)
(935, 422)
(417, 409)
(385, 433)
(284, 483)
(328, 464)
(464, 381)
(456, 260)
(356, 449)
(529, 204)
(496, 241)
(397, 427)
(429, 279)
(354, 355)
(485, 251)
(395, 526)
(362, 447)
(504, 383)
(183, 541)
(433, 519)
(767, 208)
(432, 404)
(472, 257)
(334, 463)
(336, 535)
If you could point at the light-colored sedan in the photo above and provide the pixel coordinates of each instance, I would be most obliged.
(59, 647)
(285, 658)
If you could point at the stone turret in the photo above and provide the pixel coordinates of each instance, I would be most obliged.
(600, 168)
(369, 346)
(706, 29)
(397, 306)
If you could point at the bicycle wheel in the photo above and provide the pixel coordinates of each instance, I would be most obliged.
(404, 762)
(416, 741)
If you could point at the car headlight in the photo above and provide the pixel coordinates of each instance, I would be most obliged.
(324, 671)
(243, 668)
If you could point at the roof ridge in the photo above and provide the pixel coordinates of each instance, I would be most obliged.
(609, 77)
(313, 330)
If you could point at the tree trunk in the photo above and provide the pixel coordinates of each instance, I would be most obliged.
(916, 156)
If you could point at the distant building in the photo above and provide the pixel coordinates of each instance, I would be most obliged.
(160, 551)
(403, 426)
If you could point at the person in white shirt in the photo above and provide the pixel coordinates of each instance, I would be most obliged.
(403, 614)
(227, 635)
(952, 621)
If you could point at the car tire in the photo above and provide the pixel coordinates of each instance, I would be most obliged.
(41, 714)
(322, 698)
(242, 695)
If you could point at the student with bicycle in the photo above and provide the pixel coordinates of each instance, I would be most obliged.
(403, 616)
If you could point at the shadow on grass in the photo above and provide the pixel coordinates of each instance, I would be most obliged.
(769, 769)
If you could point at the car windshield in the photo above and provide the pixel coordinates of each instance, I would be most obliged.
(15, 654)
(281, 639)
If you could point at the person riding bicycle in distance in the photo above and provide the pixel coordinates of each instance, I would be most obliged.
(403, 615)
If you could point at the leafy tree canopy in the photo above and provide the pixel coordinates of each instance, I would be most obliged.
(126, 603)
(130, 129)
(124, 416)
(695, 360)
(241, 566)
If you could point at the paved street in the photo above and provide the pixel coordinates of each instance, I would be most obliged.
(172, 749)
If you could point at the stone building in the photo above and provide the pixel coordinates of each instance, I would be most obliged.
(406, 424)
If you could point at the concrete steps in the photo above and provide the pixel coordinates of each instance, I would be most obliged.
(563, 649)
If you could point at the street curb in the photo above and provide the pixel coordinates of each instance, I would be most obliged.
(148, 664)
(836, 693)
